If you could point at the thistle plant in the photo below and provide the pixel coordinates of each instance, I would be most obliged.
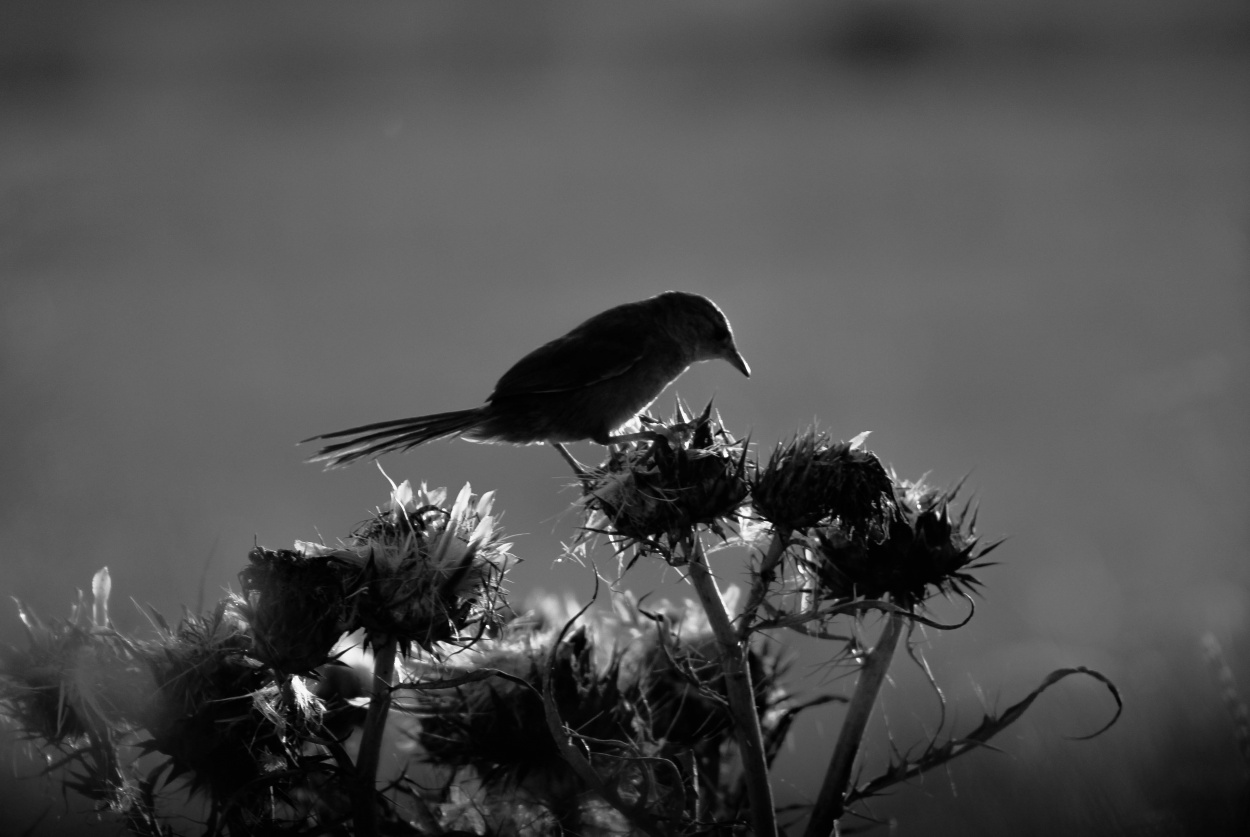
(235, 728)
(650, 497)
(493, 732)
(661, 719)
(73, 690)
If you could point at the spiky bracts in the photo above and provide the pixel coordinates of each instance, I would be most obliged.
(649, 496)
(927, 548)
(223, 720)
(674, 661)
(813, 481)
(221, 697)
(417, 571)
(296, 604)
(663, 721)
(75, 678)
(847, 527)
(496, 725)
(194, 695)
(639, 691)
(427, 574)
(77, 687)
(493, 732)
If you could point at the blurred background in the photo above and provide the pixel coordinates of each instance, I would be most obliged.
(1009, 238)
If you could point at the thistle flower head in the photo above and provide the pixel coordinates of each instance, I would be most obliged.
(928, 548)
(678, 674)
(76, 688)
(295, 602)
(216, 712)
(812, 481)
(498, 726)
(76, 679)
(652, 495)
(422, 572)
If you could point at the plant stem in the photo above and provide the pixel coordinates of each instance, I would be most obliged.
(733, 660)
(830, 805)
(365, 813)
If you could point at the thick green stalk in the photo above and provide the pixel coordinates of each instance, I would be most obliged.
(830, 804)
(733, 660)
(365, 813)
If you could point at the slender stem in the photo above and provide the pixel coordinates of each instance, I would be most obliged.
(733, 660)
(365, 814)
(830, 805)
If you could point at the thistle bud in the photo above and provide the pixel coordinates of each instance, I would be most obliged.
(295, 605)
(652, 495)
(928, 548)
(813, 482)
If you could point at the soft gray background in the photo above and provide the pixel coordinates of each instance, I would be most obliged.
(1009, 238)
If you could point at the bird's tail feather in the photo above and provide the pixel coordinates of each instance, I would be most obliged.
(371, 440)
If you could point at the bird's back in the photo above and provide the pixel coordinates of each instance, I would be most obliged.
(590, 381)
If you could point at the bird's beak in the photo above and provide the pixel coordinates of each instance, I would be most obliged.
(736, 360)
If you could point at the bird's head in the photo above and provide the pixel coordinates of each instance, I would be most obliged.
(702, 328)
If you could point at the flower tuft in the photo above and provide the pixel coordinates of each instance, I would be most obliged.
(421, 572)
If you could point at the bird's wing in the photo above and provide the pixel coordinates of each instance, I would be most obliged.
(598, 350)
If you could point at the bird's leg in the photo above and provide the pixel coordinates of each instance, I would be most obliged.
(578, 468)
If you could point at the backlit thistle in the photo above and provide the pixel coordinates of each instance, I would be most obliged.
(812, 481)
(497, 726)
(928, 548)
(295, 603)
(652, 495)
(664, 721)
(238, 733)
(687, 706)
(421, 573)
(77, 686)
(684, 704)
(73, 679)
(221, 718)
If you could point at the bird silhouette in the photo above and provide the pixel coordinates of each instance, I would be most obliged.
(578, 387)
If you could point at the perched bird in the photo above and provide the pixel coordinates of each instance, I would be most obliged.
(581, 386)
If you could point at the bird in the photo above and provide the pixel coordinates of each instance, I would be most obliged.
(581, 386)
